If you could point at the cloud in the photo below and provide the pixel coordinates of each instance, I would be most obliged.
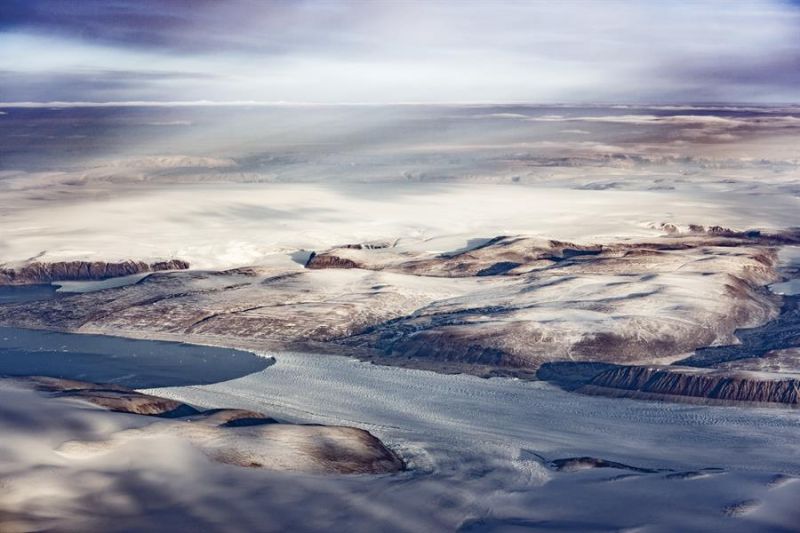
(385, 51)
(502, 115)
(108, 84)
(763, 120)
(776, 74)
(170, 123)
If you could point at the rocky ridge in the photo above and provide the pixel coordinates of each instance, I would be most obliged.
(37, 272)
(504, 307)
(687, 384)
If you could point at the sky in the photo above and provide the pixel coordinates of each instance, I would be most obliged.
(331, 51)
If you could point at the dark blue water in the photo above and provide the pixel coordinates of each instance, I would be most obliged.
(103, 359)
(26, 293)
(128, 362)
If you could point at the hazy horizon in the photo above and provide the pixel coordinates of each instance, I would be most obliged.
(677, 105)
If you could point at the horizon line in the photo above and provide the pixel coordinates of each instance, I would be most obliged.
(287, 103)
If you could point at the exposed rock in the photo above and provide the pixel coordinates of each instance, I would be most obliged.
(506, 305)
(112, 397)
(554, 313)
(132, 402)
(695, 384)
(377, 245)
(330, 261)
(570, 375)
(235, 417)
(501, 255)
(790, 236)
(780, 480)
(288, 447)
(695, 474)
(670, 229)
(780, 333)
(575, 464)
(45, 272)
(516, 255)
(780, 361)
(232, 436)
(498, 268)
(741, 508)
(172, 264)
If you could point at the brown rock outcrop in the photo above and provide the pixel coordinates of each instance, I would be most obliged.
(45, 272)
(231, 436)
(111, 397)
(695, 385)
(320, 261)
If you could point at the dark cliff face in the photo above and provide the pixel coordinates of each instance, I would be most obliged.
(40, 272)
(677, 383)
(320, 261)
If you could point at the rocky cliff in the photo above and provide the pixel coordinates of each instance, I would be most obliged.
(45, 272)
(696, 385)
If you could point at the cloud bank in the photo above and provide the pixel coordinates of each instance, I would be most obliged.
(377, 52)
